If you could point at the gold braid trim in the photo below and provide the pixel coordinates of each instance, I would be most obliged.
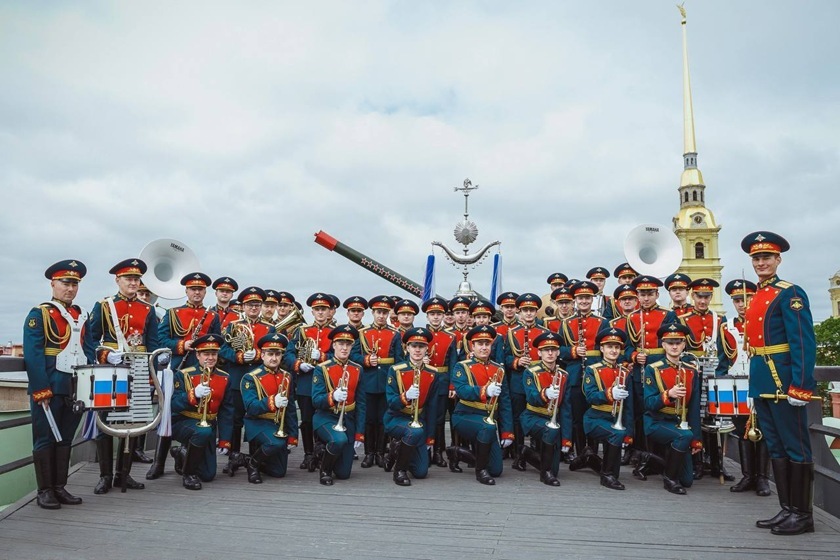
(49, 332)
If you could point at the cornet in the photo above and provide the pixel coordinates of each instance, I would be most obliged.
(494, 401)
(280, 415)
(206, 373)
(618, 406)
(415, 422)
(681, 406)
(343, 383)
(554, 404)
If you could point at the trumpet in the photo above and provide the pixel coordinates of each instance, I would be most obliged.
(280, 415)
(415, 422)
(554, 404)
(343, 382)
(753, 433)
(618, 406)
(681, 405)
(494, 401)
(204, 405)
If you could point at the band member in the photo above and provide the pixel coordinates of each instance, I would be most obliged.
(338, 397)
(564, 308)
(556, 280)
(336, 303)
(482, 313)
(780, 336)
(734, 361)
(483, 402)
(577, 351)
(548, 414)
(242, 354)
(601, 303)
(406, 311)
(460, 308)
(609, 417)
(52, 345)
(373, 351)
(442, 356)
(202, 404)
(519, 353)
(285, 305)
(672, 406)
(271, 302)
(356, 307)
(392, 316)
(178, 331)
(123, 324)
(677, 286)
(271, 425)
(412, 395)
(309, 346)
(626, 301)
(448, 319)
(642, 343)
(225, 287)
(507, 305)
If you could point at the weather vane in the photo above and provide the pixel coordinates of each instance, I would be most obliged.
(465, 233)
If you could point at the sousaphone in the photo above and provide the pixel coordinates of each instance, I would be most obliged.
(653, 250)
(168, 260)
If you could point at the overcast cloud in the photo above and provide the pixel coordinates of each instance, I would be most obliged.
(241, 129)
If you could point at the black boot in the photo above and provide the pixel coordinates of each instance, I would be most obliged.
(747, 457)
(697, 463)
(482, 459)
(43, 460)
(801, 518)
(105, 455)
(546, 457)
(673, 466)
(534, 457)
(123, 468)
(587, 458)
(327, 464)
(452, 455)
(236, 461)
(762, 460)
(440, 447)
(611, 467)
(648, 463)
(61, 466)
(161, 450)
(391, 456)
(380, 446)
(716, 469)
(519, 461)
(191, 462)
(308, 459)
(404, 453)
(781, 475)
(253, 466)
(370, 446)
(627, 458)
(139, 455)
(235, 447)
(179, 454)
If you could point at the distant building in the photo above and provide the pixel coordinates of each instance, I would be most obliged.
(834, 294)
(11, 349)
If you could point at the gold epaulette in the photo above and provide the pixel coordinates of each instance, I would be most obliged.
(783, 284)
(188, 370)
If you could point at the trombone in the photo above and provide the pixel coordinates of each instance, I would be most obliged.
(280, 415)
(343, 382)
(618, 406)
(415, 422)
(204, 405)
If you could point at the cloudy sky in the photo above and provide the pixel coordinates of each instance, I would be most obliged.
(241, 129)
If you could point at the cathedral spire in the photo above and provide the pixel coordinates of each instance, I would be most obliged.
(691, 176)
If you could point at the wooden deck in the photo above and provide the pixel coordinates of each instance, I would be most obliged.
(445, 516)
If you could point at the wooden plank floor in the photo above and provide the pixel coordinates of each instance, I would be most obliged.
(445, 516)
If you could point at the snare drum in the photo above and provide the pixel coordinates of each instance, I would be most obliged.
(102, 386)
(727, 396)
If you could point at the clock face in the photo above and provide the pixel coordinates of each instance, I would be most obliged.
(698, 219)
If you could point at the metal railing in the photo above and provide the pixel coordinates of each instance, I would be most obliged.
(826, 467)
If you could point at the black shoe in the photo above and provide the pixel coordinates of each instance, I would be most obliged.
(47, 500)
(367, 462)
(130, 483)
(611, 467)
(62, 466)
(327, 463)
(586, 459)
(673, 466)
(253, 466)
(546, 459)
(65, 497)
(306, 464)
(105, 456)
(762, 486)
(482, 459)
(438, 460)
(177, 453)
(380, 460)
(801, 518)
(192, 459)
(161, 451)
(103, 485)
(519, 463)
(452, 455)
(403, 459)
(391, 456)
(781, 475)
(627, 457)
(138, 456)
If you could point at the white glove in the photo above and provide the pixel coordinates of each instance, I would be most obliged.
(316, 354)
(202, 391)
(796, 402)
(114, 357)
(494, 390)
(565, 449)
(163, 359)
(281, 401)
(552, 392)
(249, 355)
(506, 443)
(306, 368)
(221, 451)
(358, 446)
(340, 395)
(619, 394)
(412, 393)
(429, 447)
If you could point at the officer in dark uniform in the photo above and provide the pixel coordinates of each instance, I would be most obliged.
(547, 389)
(605, 386)
(672, 406)
(626, 301)
(202, 404)
(482, 403)
(506, 303)
(225, 287)
(412, 394)
(271, 425)
(780, 336)
(52, 335)
(286, 304)
(339, 401)
(135, 328)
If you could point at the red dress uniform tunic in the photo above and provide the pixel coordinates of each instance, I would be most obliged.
(645, 321)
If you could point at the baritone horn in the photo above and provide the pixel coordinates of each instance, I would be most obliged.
(290, 321)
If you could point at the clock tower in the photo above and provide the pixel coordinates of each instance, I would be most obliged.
(694, 224)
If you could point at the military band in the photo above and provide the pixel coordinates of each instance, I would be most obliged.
(577, 379)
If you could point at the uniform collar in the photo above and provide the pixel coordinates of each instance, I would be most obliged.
(193, 306)
(120, 296)
(771, 280)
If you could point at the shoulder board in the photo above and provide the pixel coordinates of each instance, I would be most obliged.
(465, 363)
(491, 362)
(596, 366)
(657, 365)
(264, 322)
(354, 364)
(221, 372)
(401, 367)
(254, 372)
(188, 369)
(783, 284)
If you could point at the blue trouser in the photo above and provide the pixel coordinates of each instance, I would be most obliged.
(601, 429)
(415, 438)
(472, 427)
(338, 443)
(67, 421)
(534, 425)
(666, 432)
(275, 449)
(785, 429)
(188, 432)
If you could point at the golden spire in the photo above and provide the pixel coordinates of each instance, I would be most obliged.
(691, 174)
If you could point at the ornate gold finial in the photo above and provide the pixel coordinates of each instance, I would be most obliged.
(681, 8)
